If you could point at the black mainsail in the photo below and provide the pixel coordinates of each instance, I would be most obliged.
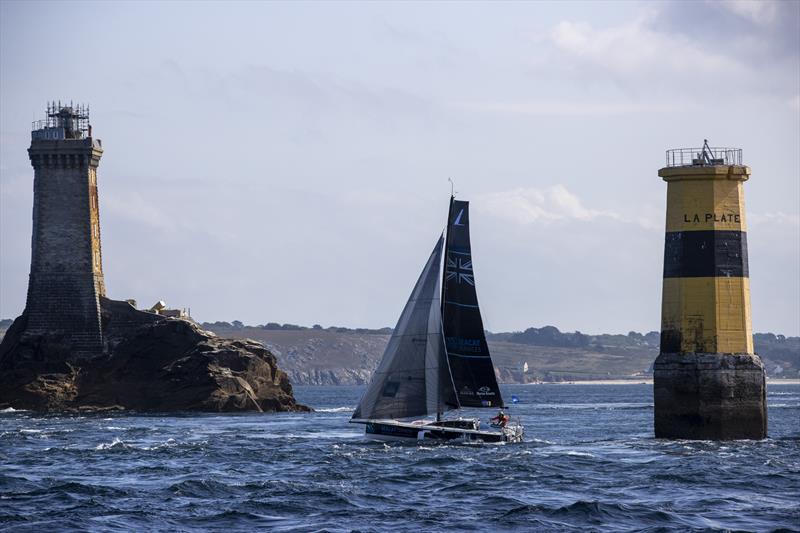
(412, 378)
(470, 363)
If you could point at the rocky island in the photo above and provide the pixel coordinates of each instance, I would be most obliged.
(75, 349)
(152, 363)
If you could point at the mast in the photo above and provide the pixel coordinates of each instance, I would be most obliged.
(446, 247)
(447, 242)
(441, 296)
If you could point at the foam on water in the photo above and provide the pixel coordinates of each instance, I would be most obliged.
(589, 462)
(115, 444)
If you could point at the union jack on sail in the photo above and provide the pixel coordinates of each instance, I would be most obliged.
(460, 269)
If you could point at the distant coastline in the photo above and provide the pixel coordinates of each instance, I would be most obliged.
(770, 381)
(333, 355)
(320, 355)
(647, 381)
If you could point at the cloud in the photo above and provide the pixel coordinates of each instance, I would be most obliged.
(636, 47)
(776, 218)
(680, 48)
(762, 12)
(568, 108)
(533, 205)
(764, 31)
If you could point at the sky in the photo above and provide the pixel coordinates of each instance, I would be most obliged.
(289, 162)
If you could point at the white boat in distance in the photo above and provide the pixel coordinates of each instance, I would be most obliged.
(437, 359)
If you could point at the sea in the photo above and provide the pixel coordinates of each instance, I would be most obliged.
(589, 462)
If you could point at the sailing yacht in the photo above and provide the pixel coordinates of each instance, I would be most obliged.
(437, 359)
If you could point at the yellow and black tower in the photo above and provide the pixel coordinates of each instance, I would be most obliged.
(708, 382)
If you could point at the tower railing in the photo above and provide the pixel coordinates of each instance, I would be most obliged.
(63, 122)
(704, 156)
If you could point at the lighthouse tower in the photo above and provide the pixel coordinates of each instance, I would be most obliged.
(66, 278)
(708, 382)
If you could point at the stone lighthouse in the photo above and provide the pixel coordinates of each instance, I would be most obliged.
(66, 278)
(708, 382)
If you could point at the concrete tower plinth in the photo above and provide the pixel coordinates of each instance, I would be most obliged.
(708, 382)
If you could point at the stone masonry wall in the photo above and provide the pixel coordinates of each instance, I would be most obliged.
(66, 275)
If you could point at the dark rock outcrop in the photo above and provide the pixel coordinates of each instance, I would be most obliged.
(151, 363)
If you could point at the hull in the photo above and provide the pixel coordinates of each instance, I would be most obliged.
(393, 430)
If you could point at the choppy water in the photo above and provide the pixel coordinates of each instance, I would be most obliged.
(589, 462)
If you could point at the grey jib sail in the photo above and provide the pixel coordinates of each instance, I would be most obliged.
(412, 379)
(470, 362)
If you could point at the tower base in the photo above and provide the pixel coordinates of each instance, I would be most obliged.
(710, 396)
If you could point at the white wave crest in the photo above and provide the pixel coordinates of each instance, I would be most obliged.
(334, 409)
(169, 443)
(578, 454)
(114, 444)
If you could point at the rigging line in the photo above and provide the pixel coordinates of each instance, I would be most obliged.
(443, 272)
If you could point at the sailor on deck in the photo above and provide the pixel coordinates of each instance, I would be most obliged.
(501, 420)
